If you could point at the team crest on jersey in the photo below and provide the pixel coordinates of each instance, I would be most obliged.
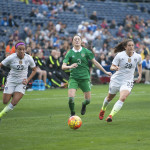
(129, 60)
(73, 56)
(82, 54)
(20, 62)
(135, 59)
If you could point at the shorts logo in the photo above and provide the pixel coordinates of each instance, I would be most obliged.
(6, 88)
(24, 87)
(82, 54)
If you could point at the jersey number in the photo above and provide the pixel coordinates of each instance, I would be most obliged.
(127, 65)
(79, 61)
(20, 67)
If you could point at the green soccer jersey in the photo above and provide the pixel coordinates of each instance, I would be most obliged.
(80, 57)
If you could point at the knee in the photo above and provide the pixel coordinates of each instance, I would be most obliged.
(123, 98)
(5, 101)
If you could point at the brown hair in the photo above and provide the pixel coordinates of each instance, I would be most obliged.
(76, 35)
(121, 46)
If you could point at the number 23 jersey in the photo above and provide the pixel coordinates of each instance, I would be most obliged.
(19, 67)
(126, 65)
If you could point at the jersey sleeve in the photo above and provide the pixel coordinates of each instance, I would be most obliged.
(7, 61)
(90, 55)
(140, 59)
(31, 62)
(116, 60)
(66, 59)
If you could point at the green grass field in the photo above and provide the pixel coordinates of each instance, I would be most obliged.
(39, 122)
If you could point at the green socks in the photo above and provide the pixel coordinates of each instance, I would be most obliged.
(71, 105)
(86, 102)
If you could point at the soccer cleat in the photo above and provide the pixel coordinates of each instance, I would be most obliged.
(101, 114)
(109, 118)
(83, 110)
(72, 114)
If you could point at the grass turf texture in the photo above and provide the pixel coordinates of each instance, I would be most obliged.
(39, 122)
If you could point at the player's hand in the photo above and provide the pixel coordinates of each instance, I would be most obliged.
(25, 81)
(74, 65)
(139, 79)
(116, 68)
(109, 73)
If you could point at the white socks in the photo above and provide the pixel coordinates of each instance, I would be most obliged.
(118, 105)
(105, 103)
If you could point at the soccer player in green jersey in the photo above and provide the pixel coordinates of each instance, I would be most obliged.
(78, 58)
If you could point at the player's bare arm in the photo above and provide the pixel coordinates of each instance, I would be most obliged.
(25, 81)
(139, 67)
(65, 67)
(114, 67)
(100, 67)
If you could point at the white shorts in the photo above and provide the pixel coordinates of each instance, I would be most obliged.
(13, 87)
(114, 87)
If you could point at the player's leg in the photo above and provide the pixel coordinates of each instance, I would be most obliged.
(71, 95)
(118, 105)
(85, 86)
(7, 94)
(124, 92)
(72, 87)
(87, 96)
(105, 104)
(113, 89)
(6, 99)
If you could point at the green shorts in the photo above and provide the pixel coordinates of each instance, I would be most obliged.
(83, 84)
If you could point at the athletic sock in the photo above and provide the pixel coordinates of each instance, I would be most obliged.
(71, 105)
(6, 109)
(86, 102)
(118, 105)
(105, 104)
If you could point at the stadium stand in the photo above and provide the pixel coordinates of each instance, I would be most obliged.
(45, 32)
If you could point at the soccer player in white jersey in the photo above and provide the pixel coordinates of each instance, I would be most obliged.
(121, 81)
(17, 78)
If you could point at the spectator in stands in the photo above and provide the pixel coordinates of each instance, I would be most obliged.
(102, 60)
(25, 1)
(113, 24)
(23, 35)
(146, 40)
(144, 51)
(65, 5)
(53, 63)
(10, 48)
(98, 43)
(94, 16)
(146, 69)
(12, 22)
(104, 48)
(124, 64)
(32, 13)
(104, 24)
(120, 32)
(4, 22)
(71, 5)
(39, 2)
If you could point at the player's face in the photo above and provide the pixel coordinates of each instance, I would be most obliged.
(130, 47)
(77, 41)
(21, 51)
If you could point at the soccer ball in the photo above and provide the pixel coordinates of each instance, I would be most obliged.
(74, 122)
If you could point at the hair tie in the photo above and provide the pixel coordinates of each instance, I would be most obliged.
(21, 43)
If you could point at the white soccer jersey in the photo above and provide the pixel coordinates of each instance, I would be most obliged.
(19, 67)
(127, 67)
